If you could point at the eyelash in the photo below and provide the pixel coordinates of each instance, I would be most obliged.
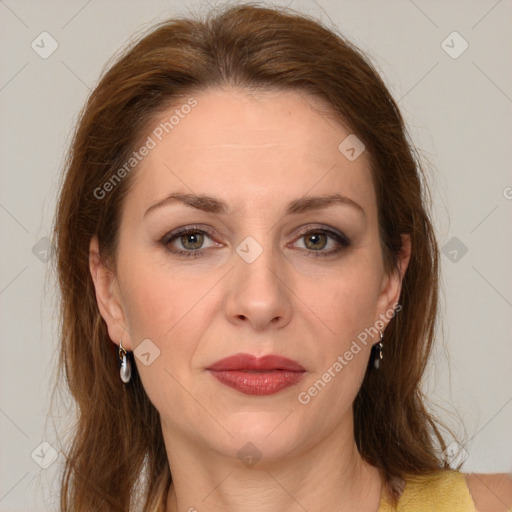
(340, 238)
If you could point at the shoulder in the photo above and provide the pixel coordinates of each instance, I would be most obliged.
(491, 492)
(442, 490)
(450, 490)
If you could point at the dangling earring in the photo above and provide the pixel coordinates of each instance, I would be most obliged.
(126, 368)
(377, 352)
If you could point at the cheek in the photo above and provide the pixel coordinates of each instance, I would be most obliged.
(345, 305)
(346, 299)
(159, 302)
(347, 309)
(167, 311)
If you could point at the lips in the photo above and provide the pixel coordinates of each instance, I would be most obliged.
(248, 362)
(257, 376)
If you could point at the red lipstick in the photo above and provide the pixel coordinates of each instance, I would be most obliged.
(257, 376)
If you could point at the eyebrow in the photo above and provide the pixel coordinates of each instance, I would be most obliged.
(214, 205)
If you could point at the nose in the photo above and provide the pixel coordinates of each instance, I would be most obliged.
(258, 293)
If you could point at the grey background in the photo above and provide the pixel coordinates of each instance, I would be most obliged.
(459, 113)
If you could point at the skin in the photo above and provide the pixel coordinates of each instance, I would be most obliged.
(491, 492)
(256, 152)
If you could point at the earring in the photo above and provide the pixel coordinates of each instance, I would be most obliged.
(377, 352)
(126, 368)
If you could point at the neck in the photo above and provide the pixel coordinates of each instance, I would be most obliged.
(330, 476)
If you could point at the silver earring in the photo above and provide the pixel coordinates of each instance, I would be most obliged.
(126, 368)
(377, 352)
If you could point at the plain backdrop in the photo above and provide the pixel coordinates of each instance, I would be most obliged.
(455, 91)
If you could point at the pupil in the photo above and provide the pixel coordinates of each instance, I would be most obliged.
(192, 240)
(317, 239)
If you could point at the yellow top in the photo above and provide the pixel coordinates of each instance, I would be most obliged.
(445, 491)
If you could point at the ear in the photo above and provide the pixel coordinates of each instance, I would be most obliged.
(108, 297)
(392, 283)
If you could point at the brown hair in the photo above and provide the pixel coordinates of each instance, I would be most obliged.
(117, 439)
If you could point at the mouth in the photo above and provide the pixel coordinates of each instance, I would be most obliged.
(257, 376)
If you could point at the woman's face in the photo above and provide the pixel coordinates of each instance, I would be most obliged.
(267, 267)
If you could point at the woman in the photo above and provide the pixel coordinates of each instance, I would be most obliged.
(249, 282)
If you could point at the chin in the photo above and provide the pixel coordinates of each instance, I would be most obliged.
(266, 435)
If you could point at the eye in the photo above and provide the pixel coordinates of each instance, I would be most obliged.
(187, 241)
(192, 240)
(320, 238)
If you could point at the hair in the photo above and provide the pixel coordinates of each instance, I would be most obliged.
(117, 438)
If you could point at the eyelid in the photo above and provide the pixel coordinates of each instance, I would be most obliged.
(311, 228)
(169, 236)
(301, 231)
(339, 237)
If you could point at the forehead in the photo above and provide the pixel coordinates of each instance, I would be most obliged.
(239, 145)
